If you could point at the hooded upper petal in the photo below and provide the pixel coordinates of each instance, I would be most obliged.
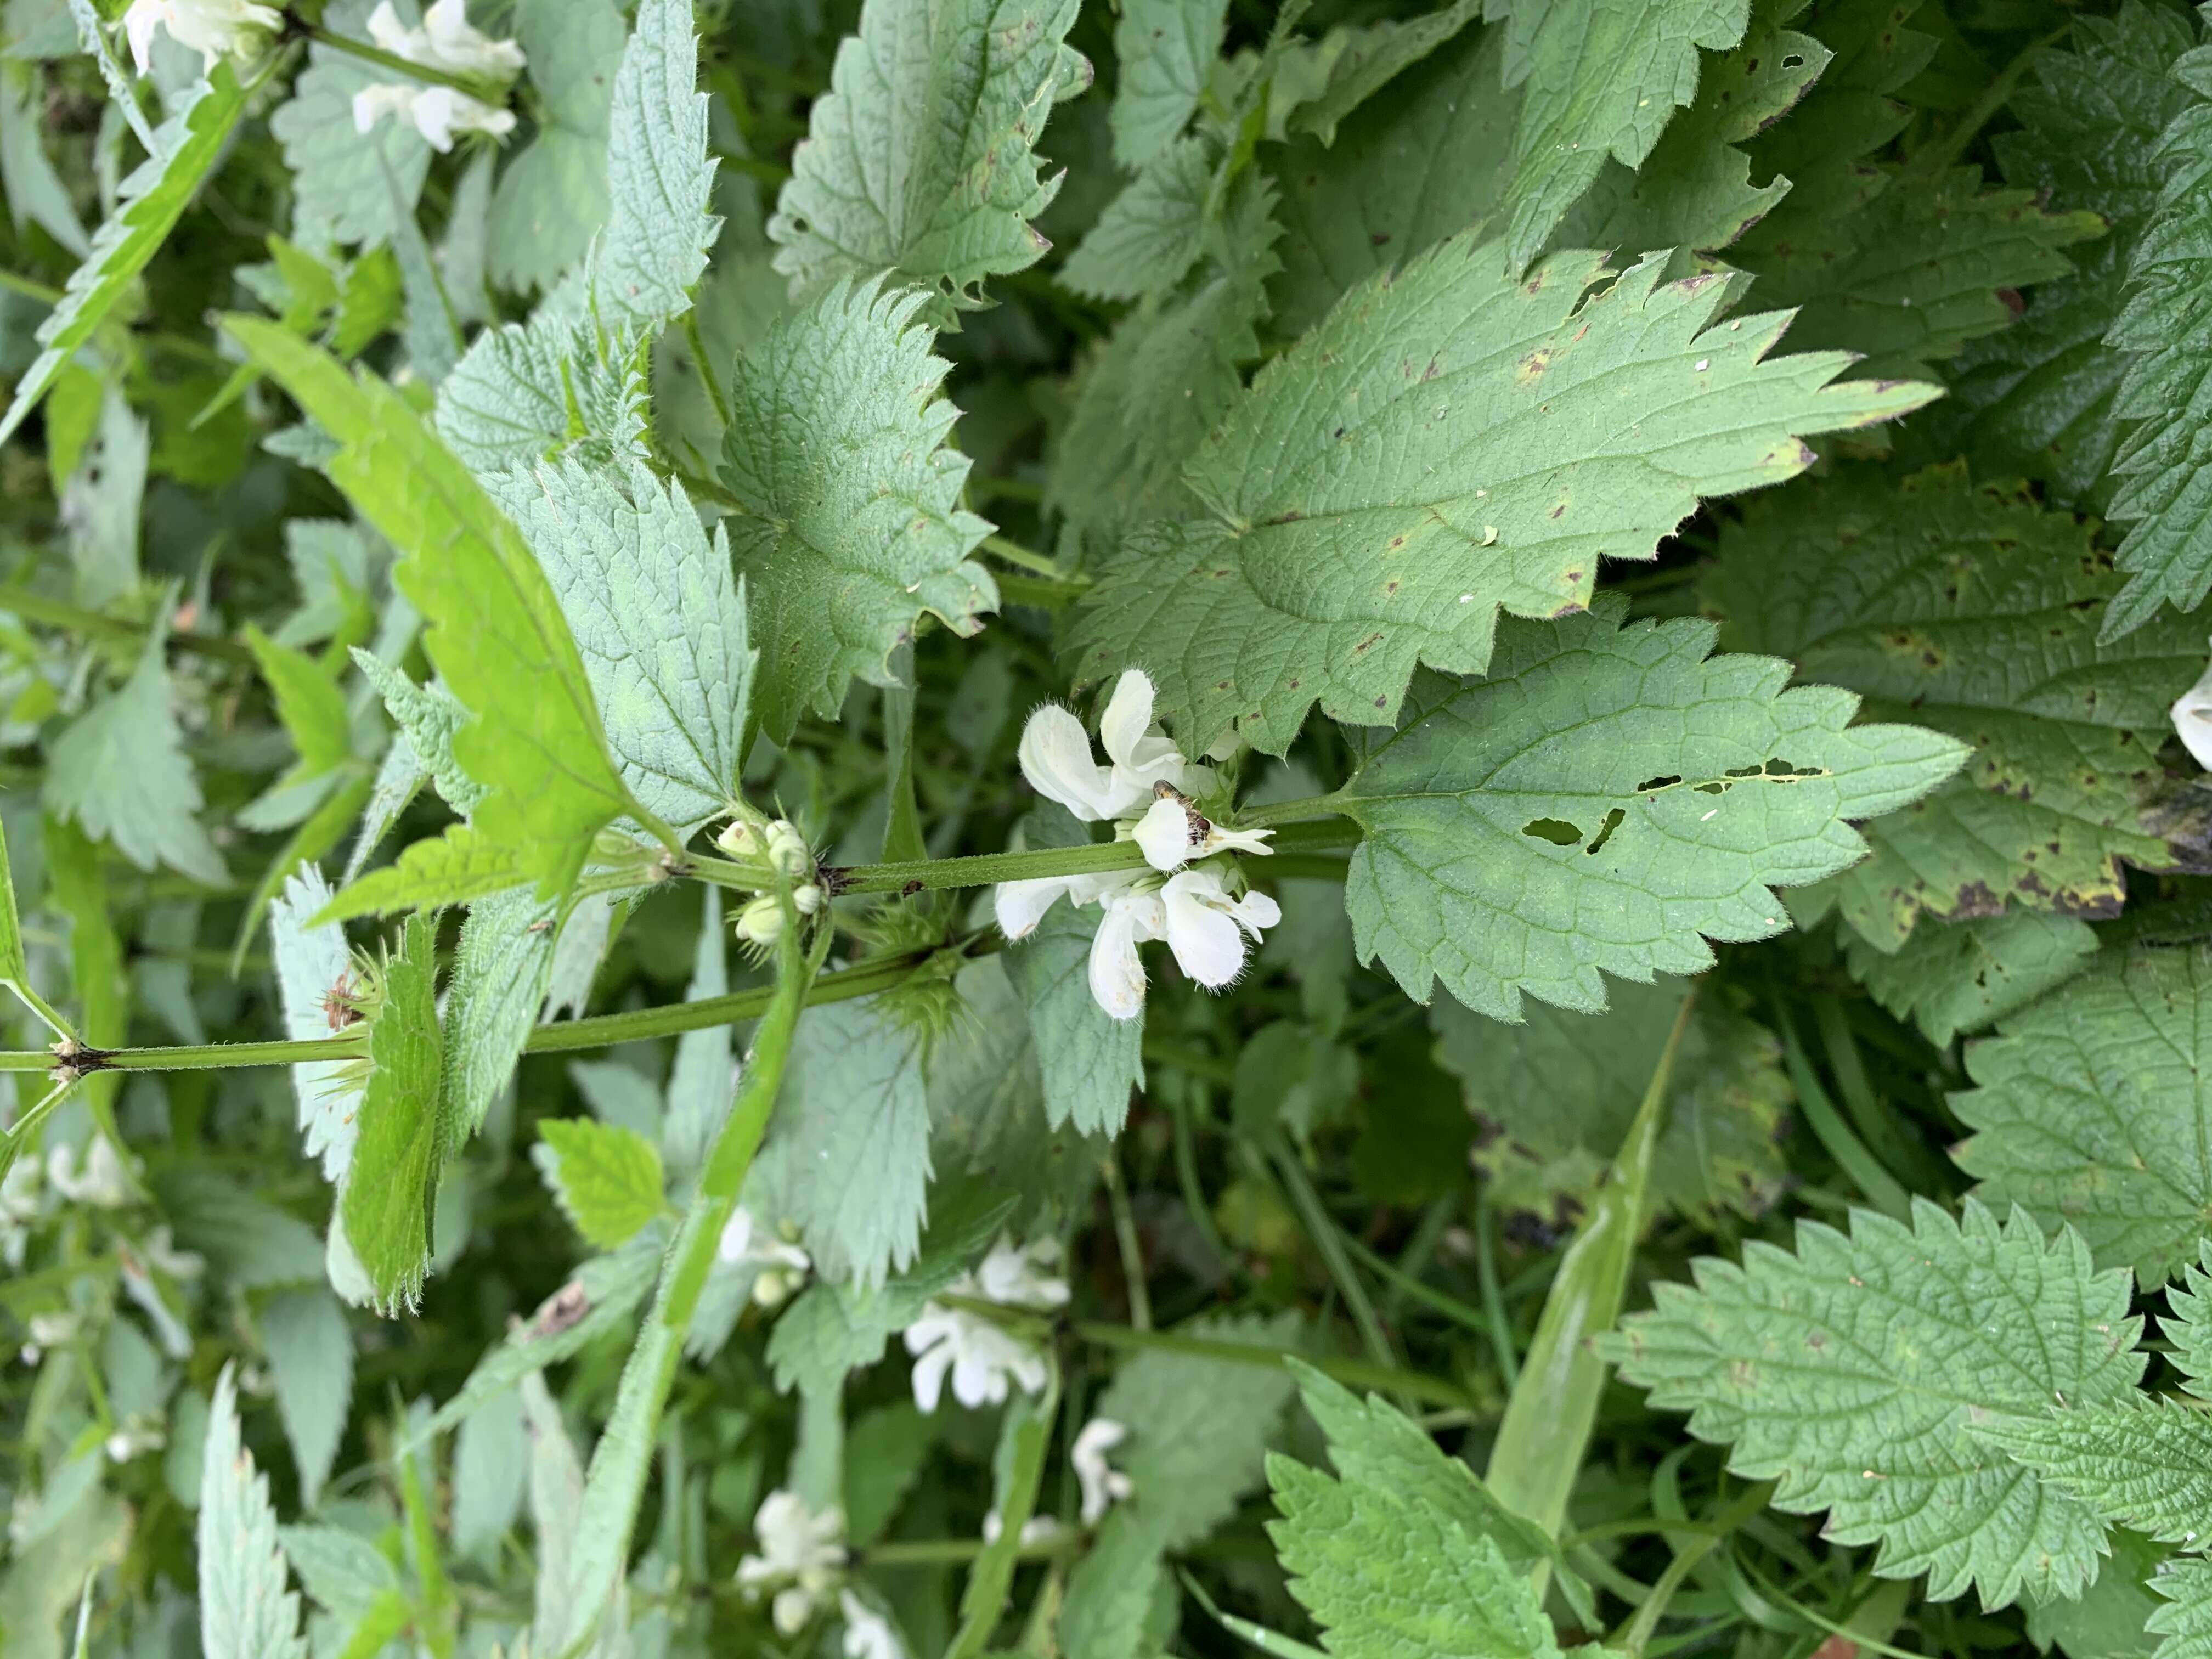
(2192, 720)
(1056, 759)
(1020, 905)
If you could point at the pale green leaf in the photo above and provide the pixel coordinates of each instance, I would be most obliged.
(397, 1153)
(119, 772)
(839, 453)
(2185, 1621)
(2140, 1460)
(1373, 56)
(248, 1609)
(348, 186)
(310, 1347)
(15, 969)
(494, 630)
(701, 1082)
(1969, 610)
(341, 1572)
(607, 1178)
(1152, 233)
(653, 251)
(185, 149)
(308, 702)
(1164, 50)
(658, 620)
(1446, 443)
(1091, 1060)
(1959, 976)
(494, 990)
(1852, 1372)
(428, 716)
(920, 163)
(553, 196)
(103, 500)
(491, 1465)
(2095, 1107)
(35, 192)
(1609, 798)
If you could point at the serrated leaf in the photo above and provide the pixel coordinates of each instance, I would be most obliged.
(1962, 975)
(397, 1151)
(838, 451)
(248, 1609)
(1152, 233)
(653, 251)
(1564, 1086)
(555, 194)
(1447, 442)
(607, 1178)
(2094, 1106)
(1370, 57)
(658, 619)
(1597, 78)
(494, 990)
(185, 150)
(1091, 1060)
(920, 163)
(1967, 609)
(494, 630)
(119, 772)
(310, 963)
(348, 185)
(1163, 51)
(310, 1350)
(1613, 772)
(1852, 1372)
(2185, 1621)
(428, 716)
(2140, 1460)
(341, 1571)
(308, 702)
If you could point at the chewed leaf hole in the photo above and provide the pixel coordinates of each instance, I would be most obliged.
(1555, 830)
(1605, 830)
(1666, 780)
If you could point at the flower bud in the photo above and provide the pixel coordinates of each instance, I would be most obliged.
(807, 899)
(737, 839)
(761, 922)
(788, 852)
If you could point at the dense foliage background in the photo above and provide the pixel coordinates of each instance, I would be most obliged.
(1616, 1053)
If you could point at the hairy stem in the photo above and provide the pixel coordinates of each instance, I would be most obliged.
(988, 869)
(59, 613)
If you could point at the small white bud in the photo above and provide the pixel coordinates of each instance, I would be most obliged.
(761, 922)
(737, 839)
(788, 852)
(806, 900)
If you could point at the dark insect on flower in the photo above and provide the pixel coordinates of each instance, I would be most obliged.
(340, 1004)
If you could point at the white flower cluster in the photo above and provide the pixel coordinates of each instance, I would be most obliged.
(782, 850)
(214, 28)
(802, 1556)
(983, 1357)
(781, 1267)
(1145, 792)
(443, 40)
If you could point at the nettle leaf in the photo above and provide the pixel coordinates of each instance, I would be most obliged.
(496, 986)
(1448, 442)
(2093, 1107)
(1972, 611)
(2186, 1621)
(494, 630)
(310, 1349)
(1163, 51)
(309, 704)
(348, 185)
(1564, 1088)
(397, 1153)
(1949, 977)
(658, 618)
(1597, 78)
(2165, 461)
(2142, 1461)
(428, 717)
(1091, 1060)
(1853, 1373)
(553, 196)
(606, 1177)
(1354, 63)
(1609, 798)
(838, 451)
(2037, 398)
(920, 162)
(119, 771)
(184, 152)
(1152, 233)
(248, 1609)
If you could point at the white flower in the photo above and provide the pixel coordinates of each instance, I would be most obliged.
(868, 1634)
(1172, 834)
(214, 28)
(1057, 760)
(102, 1184)
(1038, 1529)
(438, 113)
(802, 1553)
(1194, 914)
(982, 1357)
(48, 1330)
(1103, 1485)
(19, 1208)
(2192, 719)
(138, 1436)
(161, 1250)
(445, 41)
(781, 1266)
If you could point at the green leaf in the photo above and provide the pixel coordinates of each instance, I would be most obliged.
(2092, 1109)
(1611, 771)
(2140, 1460)
(310, 1348)
(653, 251)
(341, 1571)
(920, 163)
(14, 968)
(185, 149)
(308, 702)
(35, 192)
(1164, 50)
(494, 630)
(607, 1178)
(1152, 233)
(348, 185)
(658, 619)
(428, 717)
(119, 772)
(1962, 975)
(1565, 1087)
(491, 1465)
(1597, 78)
(1851, 1373)
(248, 1609)
(1371, 57)
(2185, 1621)
(838, 452)
(848, 1148)
(1969, 610)
(103, 500)
(2163, 462)
(553, 197)
(1444, 443)
(494, 992)
(396, 1155)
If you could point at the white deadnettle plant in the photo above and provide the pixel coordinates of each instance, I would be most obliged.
(1103, 1485)
(1201, 910)
(983, 1357)
(444, 40)
(214, 28)
(781, 1267)
(802, 1555)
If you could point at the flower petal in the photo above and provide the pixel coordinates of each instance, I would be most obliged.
(1255, 911)
(1056, 759)
(1118, 976)
(2192, 720)
(1020, 905)
(1164, 833)
(929, 1374)
(1205, 938)
(1128, 716)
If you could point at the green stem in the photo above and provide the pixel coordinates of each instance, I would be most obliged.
(1493, 1297)
(956, 1551)
(59, 613)
(1687, 1555)
(707, 376)
(30, 289)
(1354, 1373)
(1952, 145)
(1037, 564)
(1882, 1189)
(1322, 1228)
(1287, 811)
(987, 869)
(1126, 1242)
(476, 86)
